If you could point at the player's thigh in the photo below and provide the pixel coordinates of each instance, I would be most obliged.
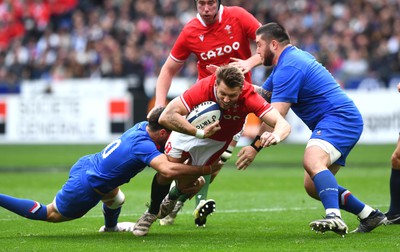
(76, 197)
(316, 159)
(338, 138)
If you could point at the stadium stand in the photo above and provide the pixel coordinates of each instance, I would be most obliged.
(61, 39)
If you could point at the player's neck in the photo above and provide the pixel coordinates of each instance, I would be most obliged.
(278, 55)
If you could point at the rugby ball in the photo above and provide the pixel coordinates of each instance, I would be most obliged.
(204, 114)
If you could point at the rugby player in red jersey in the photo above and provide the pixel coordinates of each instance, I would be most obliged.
(218, 35)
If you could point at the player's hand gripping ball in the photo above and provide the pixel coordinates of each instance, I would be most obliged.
(204, 114)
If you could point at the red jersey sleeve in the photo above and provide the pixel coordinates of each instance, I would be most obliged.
(180, 51)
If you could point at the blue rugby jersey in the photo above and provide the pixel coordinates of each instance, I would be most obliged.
(122, 159)
(315, 95)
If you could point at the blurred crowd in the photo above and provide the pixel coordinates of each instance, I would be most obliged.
(61, 39)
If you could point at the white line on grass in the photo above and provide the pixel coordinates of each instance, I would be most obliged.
(253, 210)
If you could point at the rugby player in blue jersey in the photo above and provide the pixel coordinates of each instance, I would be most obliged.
(97, 177)
(300, 83)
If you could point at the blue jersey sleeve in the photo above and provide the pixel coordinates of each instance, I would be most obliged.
(145, 151)
(122, 159)
(268, 84)
(287, 86)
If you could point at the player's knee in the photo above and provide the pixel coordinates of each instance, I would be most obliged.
(116, 202)
(53, 215)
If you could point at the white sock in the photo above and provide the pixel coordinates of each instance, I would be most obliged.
(333, 210)
(367, 210)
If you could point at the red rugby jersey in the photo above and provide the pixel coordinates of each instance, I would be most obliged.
(232, 120)
(217, 43)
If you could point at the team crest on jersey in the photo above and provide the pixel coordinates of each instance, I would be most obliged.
(168, 147)
(228, 29)
(201, 37)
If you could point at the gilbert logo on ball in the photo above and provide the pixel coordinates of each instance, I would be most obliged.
(204, 114)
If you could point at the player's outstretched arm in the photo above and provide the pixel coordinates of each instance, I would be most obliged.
(281, 129)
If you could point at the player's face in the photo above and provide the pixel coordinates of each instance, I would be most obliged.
(264, 50)
(208, 10)
(163, 137)
(226, 96)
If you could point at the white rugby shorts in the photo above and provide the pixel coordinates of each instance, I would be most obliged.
(200, 150)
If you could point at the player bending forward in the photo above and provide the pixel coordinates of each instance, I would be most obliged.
(237, 98)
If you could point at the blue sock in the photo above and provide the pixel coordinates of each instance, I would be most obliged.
(26, 208)
(110, 216)
(327, 189)
(348, 202)
(394, 192)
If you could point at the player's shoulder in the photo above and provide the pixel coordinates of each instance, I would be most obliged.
(248, 90)
(191, 26)
(138, 131)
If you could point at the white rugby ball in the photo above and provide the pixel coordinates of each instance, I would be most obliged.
(204, 114)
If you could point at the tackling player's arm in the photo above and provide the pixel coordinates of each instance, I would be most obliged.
(173, 118)
(281, 128)
(171, 170)
(264, 93)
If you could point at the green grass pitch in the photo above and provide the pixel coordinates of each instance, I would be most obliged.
(263, 208)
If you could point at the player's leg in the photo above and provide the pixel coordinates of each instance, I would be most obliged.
(203, 206)
(176, 193)
(159, 189)
(65, 200)
(202, 151)
(112, 204)
(33, 210)
(393, 214)
(170, 218)
(369, 217)
(321, 183)
(24, 207)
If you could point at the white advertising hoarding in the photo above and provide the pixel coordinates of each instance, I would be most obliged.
(51, 118)
(83, 111)
(73, 112)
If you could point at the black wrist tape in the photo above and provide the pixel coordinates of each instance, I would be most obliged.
(256, 144)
